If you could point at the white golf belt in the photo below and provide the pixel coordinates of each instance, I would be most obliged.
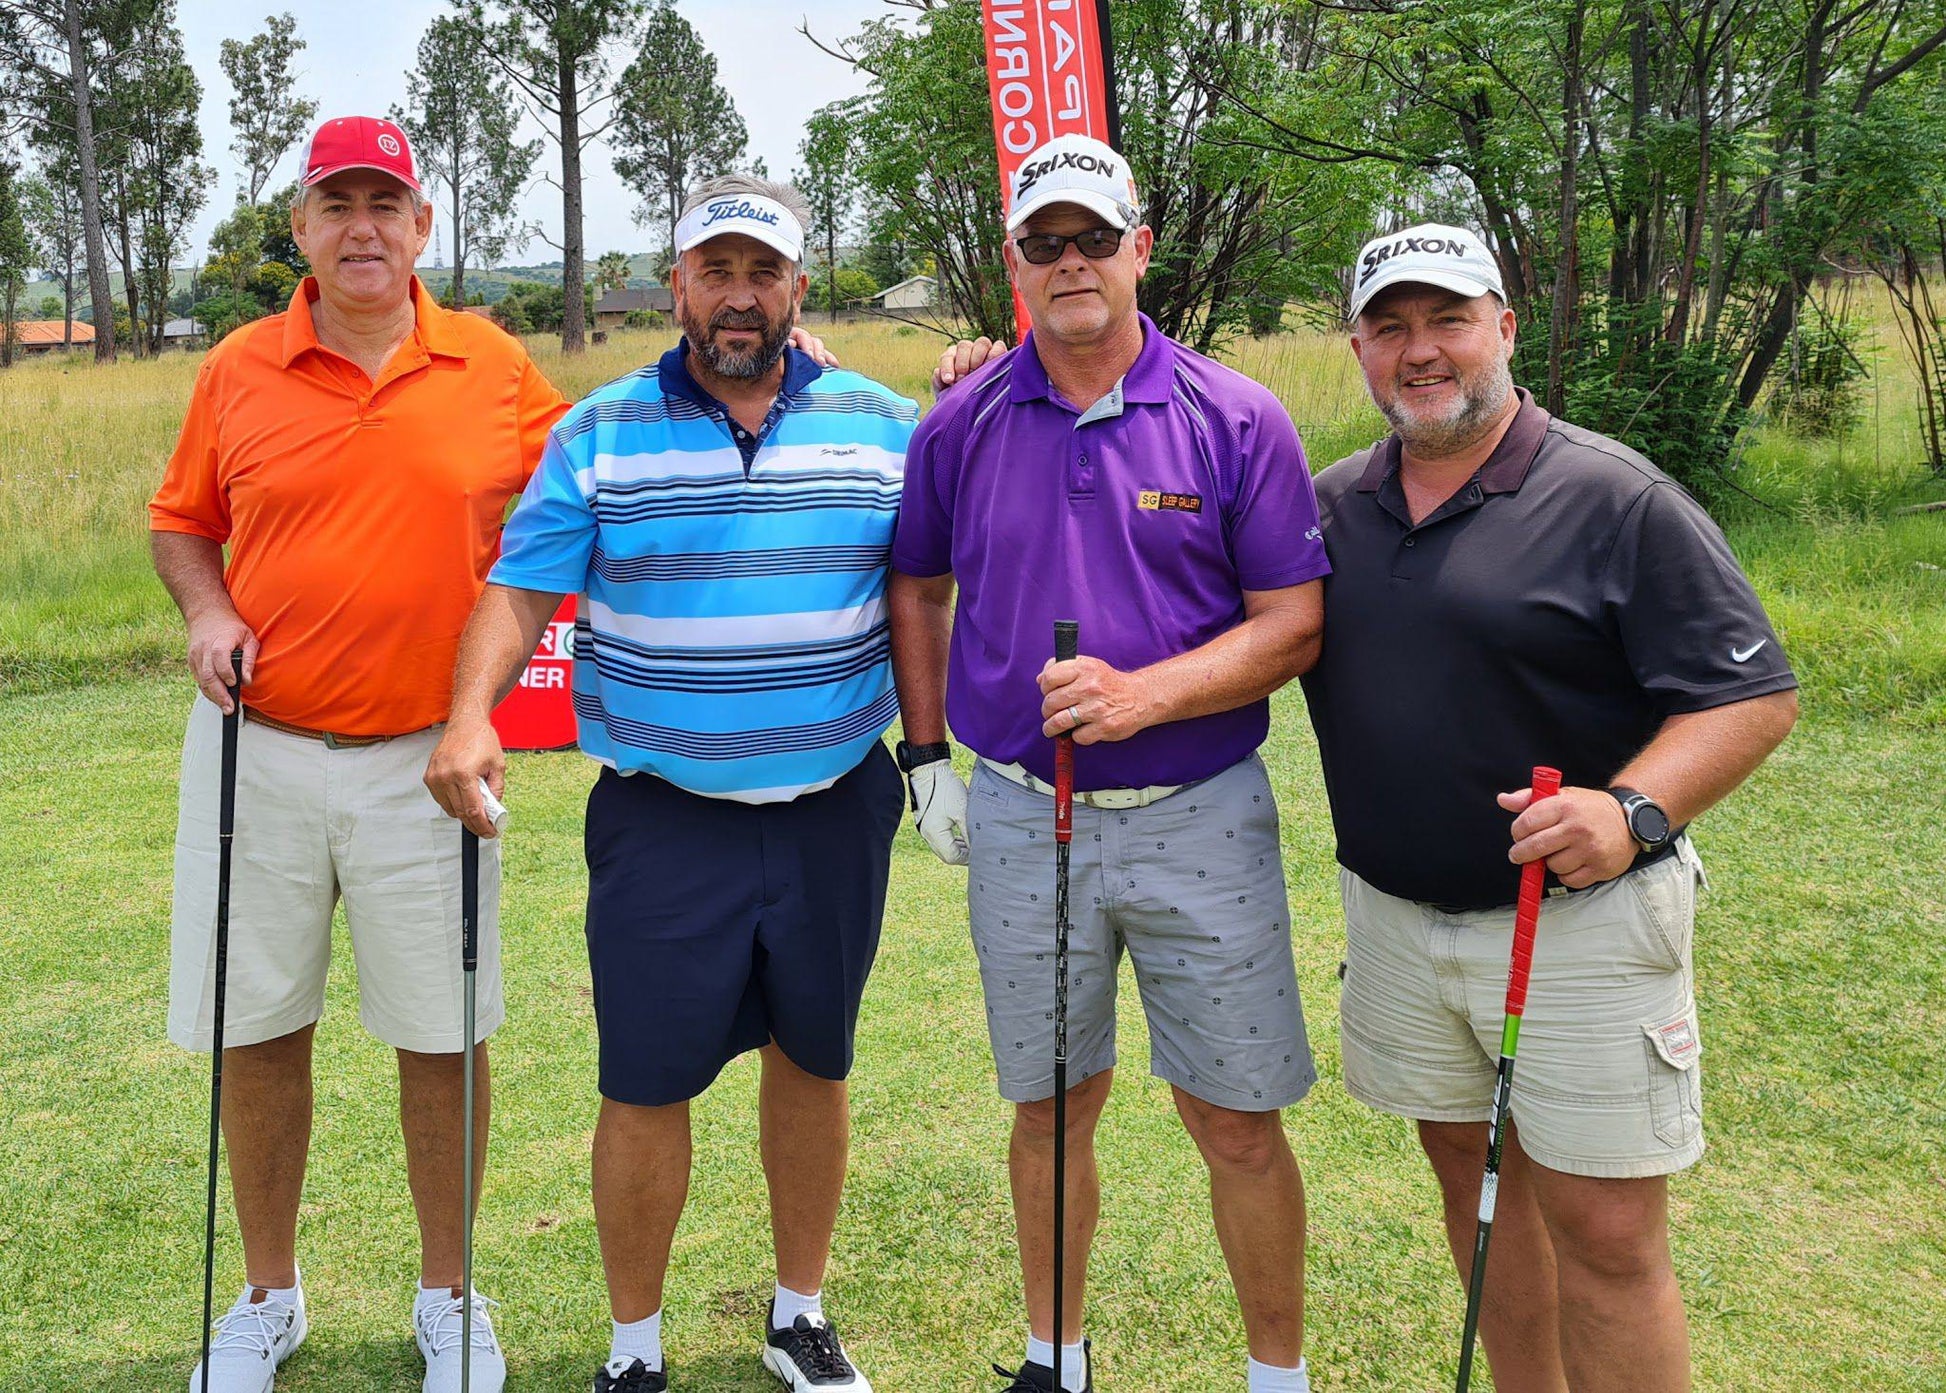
(1108, 799)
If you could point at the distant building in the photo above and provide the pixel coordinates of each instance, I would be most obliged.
(186, 334)
(615, 306)
(46, 335)
(912, 293)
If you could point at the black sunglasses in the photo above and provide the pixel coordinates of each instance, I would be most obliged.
(1046, 248)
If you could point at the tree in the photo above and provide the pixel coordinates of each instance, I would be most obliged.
(827, 181)
(462, 122)
(16, 257)
(675, 125)
(555, 51)
(279, 244)
(611, 272)
(56, 47)
(53, 210)
(166, 183)
(265, 111)
(236, 249)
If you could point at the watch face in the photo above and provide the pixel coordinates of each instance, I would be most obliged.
(1649, 824)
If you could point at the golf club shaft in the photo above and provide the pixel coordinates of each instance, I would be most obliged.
(1545, 783)
(469, 901)
(225, 835)
(1067, 643)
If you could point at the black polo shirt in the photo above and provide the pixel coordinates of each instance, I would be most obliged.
(1556, 610)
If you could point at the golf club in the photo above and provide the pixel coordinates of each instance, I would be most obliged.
(1545, 784)
(1067, 644)
(469, 961)
(225, 834)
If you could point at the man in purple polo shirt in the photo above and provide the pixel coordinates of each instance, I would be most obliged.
(1107, 474)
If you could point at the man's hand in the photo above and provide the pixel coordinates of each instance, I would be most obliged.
(964, 356)
(804, 341)
(213, 641)
(468, 752)
(939, 809)
(1581, 833)
(1086, 698)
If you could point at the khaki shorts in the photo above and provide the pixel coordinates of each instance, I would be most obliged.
(314, 824)
(1609, 1080)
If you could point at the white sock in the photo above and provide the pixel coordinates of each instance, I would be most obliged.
(1268, 1378)
(639, 1339)
(430, 1296)
(792, 1304)
(1074, 1363)
(287, 1295)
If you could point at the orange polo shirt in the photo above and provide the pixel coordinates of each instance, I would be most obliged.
(361, 516)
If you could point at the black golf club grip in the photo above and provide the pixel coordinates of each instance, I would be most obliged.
(469, 899)
(1067, 640)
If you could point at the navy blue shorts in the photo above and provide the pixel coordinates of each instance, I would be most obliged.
(715, 927)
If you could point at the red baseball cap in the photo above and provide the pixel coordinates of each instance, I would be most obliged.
(359, 142)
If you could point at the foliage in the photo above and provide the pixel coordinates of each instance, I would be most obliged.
(462, 121)
(556, 53)
(16, 255)
(279, 244)
(51, 202)
(829, 184)
(265, 111)
(531, 308)
(852, 285)
(611, 272)
(675, 124)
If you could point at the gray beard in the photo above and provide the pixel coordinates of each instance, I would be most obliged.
(741, 366)
(1484, 399)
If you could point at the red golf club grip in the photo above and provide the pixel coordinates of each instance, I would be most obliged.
(1067, 645)
(1546, 783)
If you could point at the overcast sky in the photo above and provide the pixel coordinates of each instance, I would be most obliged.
(357, 57)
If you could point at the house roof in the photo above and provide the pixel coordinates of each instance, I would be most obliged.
(909, 280)
(655, 297)
(40, 333)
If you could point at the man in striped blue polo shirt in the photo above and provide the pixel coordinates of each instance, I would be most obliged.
(726, 515)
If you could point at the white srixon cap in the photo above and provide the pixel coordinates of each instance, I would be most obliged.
(751, 215)
(1075, 169)
(1430, 254)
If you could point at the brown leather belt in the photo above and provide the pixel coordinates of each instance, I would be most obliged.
(332, 740)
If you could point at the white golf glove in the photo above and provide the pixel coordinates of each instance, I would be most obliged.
(939, 809)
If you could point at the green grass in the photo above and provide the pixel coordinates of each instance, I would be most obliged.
(1811, 1241)
(1814, 1225)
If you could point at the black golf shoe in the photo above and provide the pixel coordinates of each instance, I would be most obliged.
(1039, 1378)
(630, 1376)
(807, 1354)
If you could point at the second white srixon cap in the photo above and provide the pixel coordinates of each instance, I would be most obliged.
(1430, 254)
(752, 215)
(1075, 169)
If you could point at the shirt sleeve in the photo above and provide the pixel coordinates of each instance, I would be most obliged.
(923, 545)
(539, 405)
(1694, 632)
(192, 498)
(550, 538)
(1274, 530)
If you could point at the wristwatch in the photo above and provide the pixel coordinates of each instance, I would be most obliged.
(910, 756)
(1647, 822)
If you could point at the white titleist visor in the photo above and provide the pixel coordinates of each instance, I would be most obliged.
(749, 214)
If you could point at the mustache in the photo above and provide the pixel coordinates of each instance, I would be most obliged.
(739, 319)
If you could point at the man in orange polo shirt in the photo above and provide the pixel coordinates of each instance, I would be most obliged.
(357, 454)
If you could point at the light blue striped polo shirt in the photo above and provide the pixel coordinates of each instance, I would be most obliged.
(731, 635)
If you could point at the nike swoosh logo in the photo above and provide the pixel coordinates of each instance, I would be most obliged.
(1744, 655)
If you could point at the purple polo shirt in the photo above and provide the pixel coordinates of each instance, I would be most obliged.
(1145, 517)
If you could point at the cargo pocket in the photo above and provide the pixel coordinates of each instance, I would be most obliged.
(1675, 1081)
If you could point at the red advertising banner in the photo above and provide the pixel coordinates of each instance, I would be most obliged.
(1050, 71)
(538, 713)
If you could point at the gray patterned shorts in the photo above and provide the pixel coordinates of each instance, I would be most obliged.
(1192, 888)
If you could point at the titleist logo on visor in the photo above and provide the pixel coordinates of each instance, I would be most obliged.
(1431, 246)
(718, 209)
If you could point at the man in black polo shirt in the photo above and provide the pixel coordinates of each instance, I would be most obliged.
(1510, 590)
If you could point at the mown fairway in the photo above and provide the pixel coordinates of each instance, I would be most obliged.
(1811, 1240)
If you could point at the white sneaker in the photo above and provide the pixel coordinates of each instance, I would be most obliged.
(248, 1342)
(438, 1326)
